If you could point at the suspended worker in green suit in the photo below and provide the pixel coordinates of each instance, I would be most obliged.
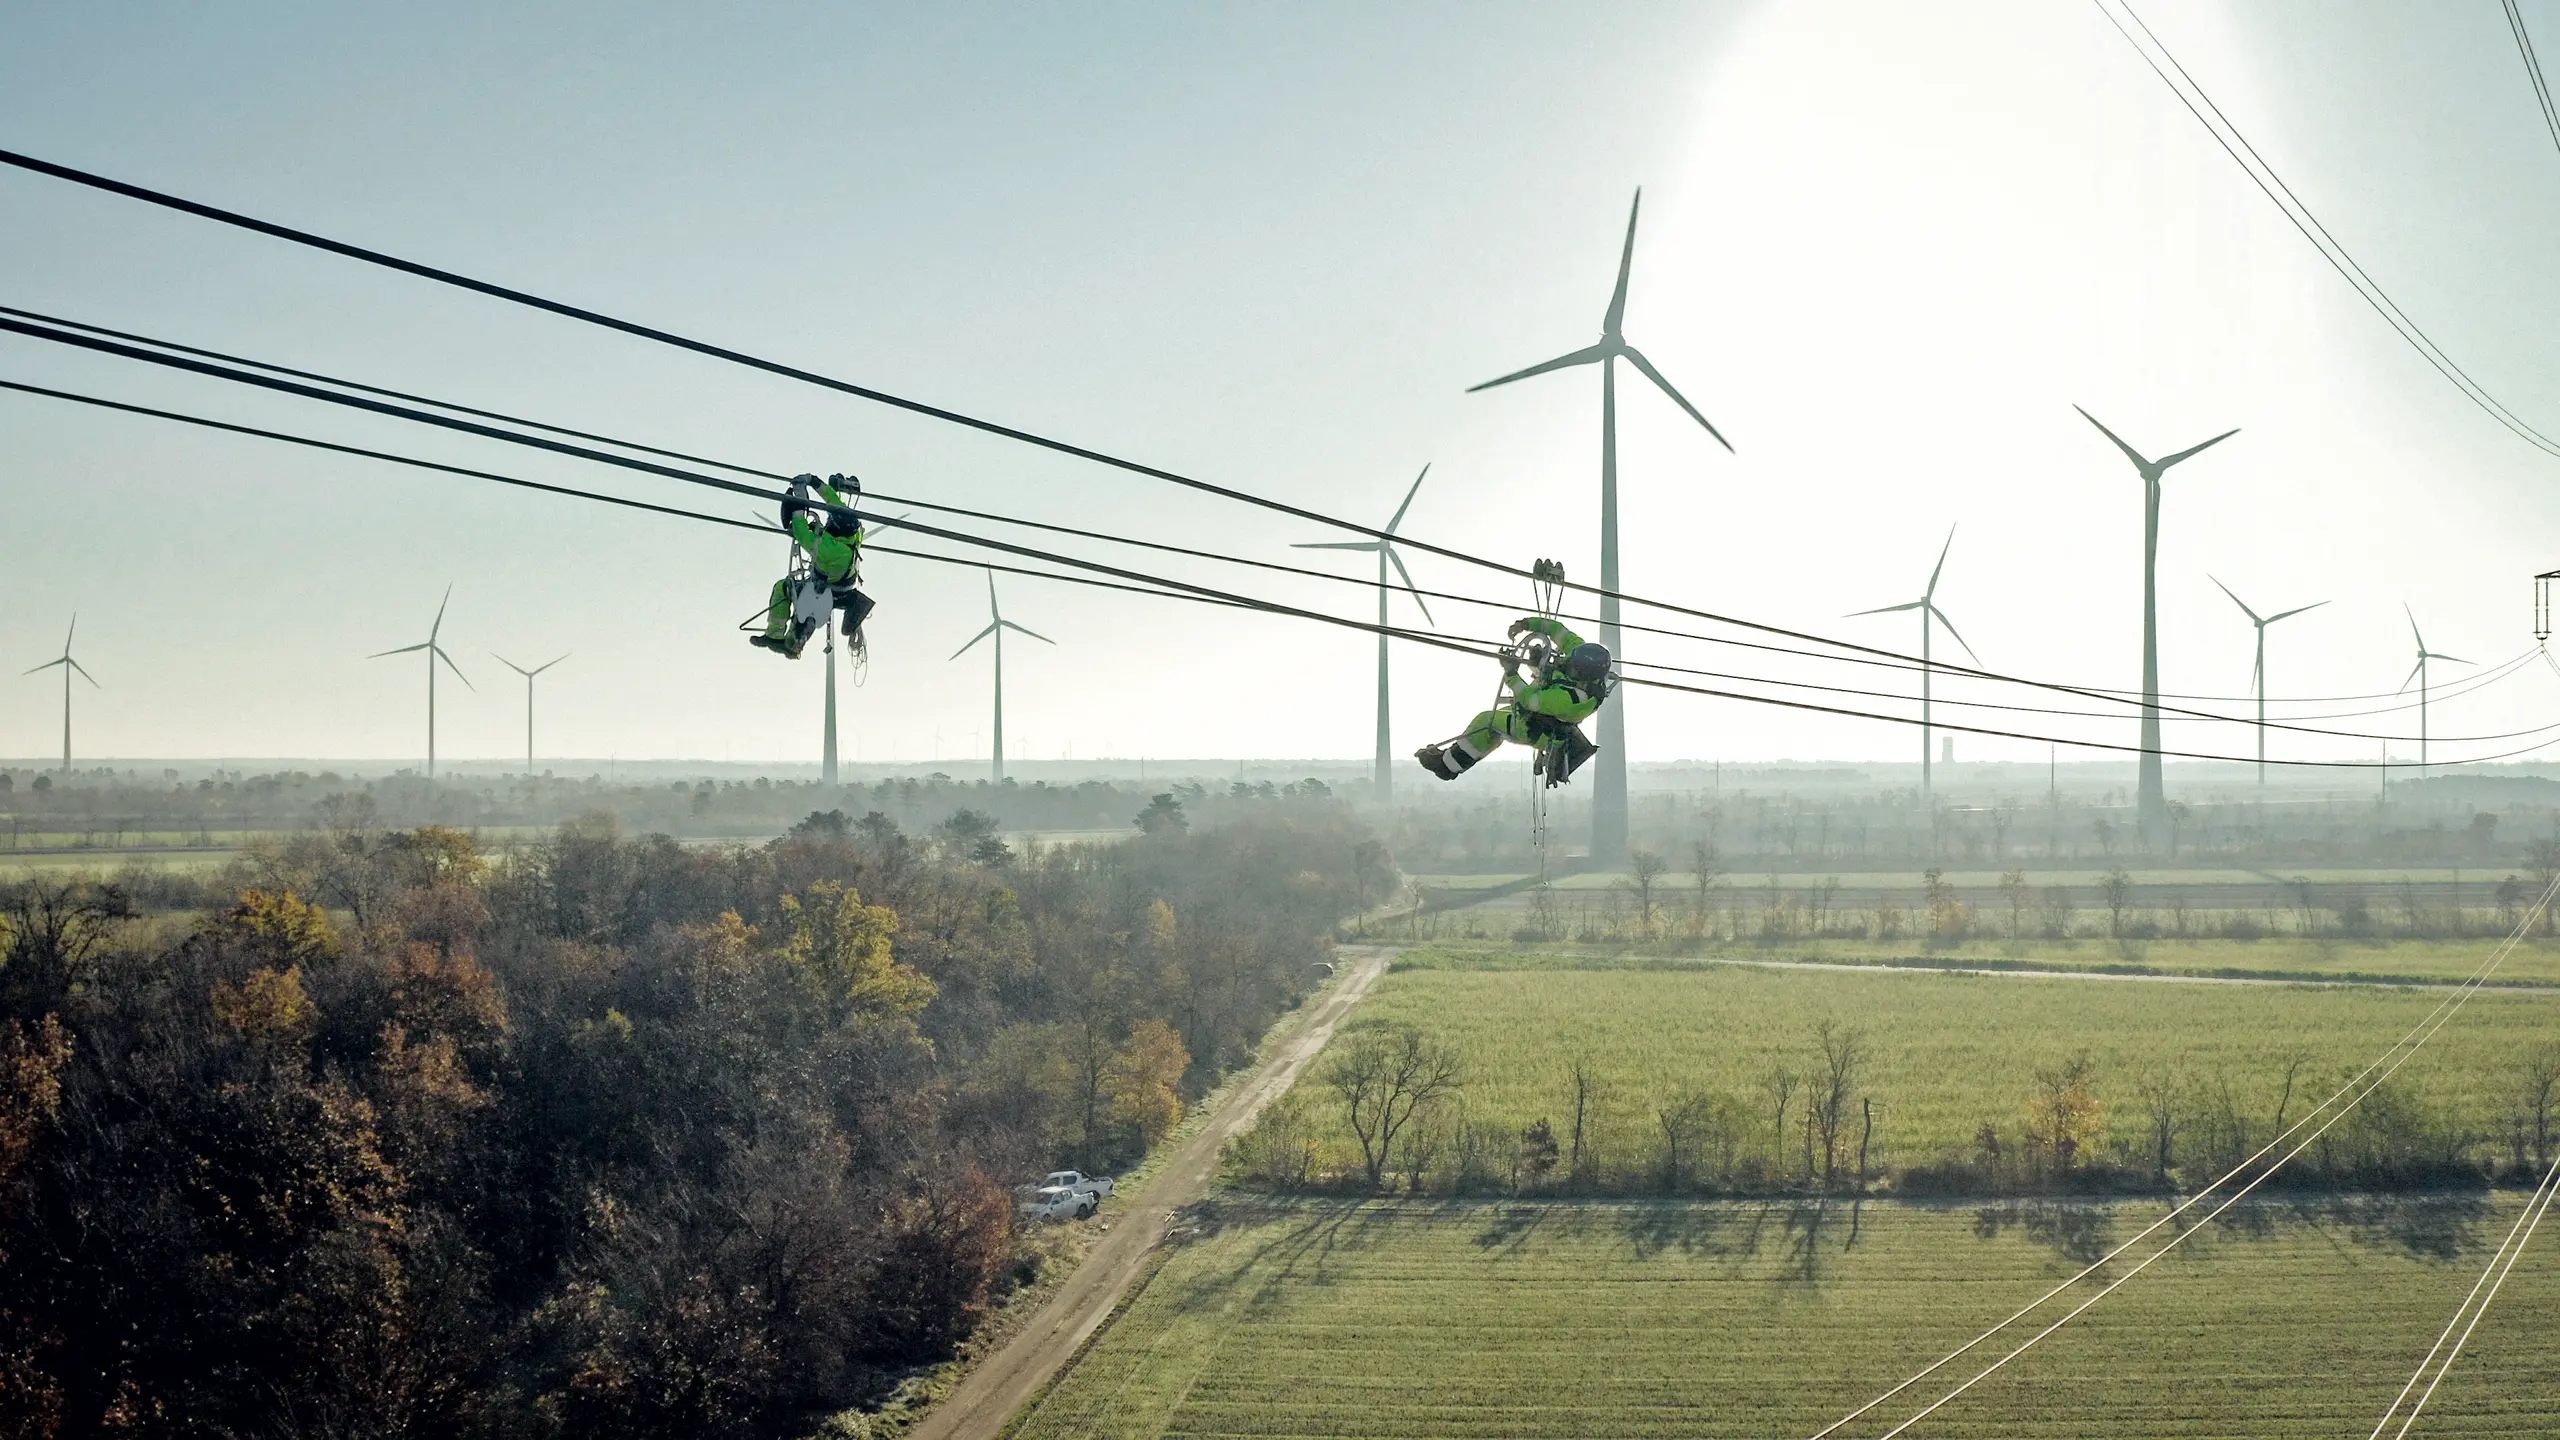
(1545, 709)
(828, 534)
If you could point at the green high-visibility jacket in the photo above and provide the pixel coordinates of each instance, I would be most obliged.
(836, 557)
(1554, 694)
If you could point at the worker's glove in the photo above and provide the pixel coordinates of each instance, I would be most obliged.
(1519, 628)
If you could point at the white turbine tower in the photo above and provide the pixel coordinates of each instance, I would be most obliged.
(1609, 782)
(2258, 671)
(996, 626)
(2419, 674)
(1927, 605)
(1384, 780)
(68, 665)
(435, 652)
(528, 701)
(2151, 793)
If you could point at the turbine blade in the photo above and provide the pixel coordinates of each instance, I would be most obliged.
(873, 525)
(2413, 626)
(1408, 501)
(437, 651)
(1636, 357)
(67, 634)
(1626, 262)
(993, 613)
(49, 664)
(974, 639)
(1940, 568)
(2170, 460)
(2296, 610)
(439, 625)
(2449, 659)
(403, 650)
(563, 655)
(510, 664)
(2414, 672)
(1337, 545)
(2258, 673)
(1951, 629)
(2129, 452)
(2244, 605)
(1025, 630)
(1409, 586)
(1587, 355)
(1888, 609)
(94, 685)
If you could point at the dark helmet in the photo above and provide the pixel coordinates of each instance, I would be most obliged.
(1589, 666)
(843, 524)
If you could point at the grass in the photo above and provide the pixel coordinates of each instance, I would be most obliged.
(1949, 1052)
(2536, 962)
(1500, 1320)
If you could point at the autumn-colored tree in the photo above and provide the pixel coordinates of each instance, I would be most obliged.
(1141, 1084)
(844, 946)
(2065, 1118)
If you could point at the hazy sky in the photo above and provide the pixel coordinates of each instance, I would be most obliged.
(1886, 247)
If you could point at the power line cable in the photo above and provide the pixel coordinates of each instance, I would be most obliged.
(574, 312)
(2533, 71)
(1165, 585)
(340, 382)
(9, 322)
(2264, 176)
(637, 446)
(571, 492)
(2348, 1095)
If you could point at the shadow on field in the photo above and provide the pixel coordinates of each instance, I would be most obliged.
(1295, 1253)
(2076, 1232)
(2423, 1227)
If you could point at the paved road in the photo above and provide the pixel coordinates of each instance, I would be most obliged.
(1001, 1383)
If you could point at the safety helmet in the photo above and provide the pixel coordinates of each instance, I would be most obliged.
(843, 524)
(1589, 666)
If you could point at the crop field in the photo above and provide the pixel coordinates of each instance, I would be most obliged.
(1383, 1319)
(1949, 1053)
(2535, 962)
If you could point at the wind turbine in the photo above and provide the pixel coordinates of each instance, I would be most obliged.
(435, 652)
(2152, 794)
(1386, 551)
(1609, 784)
(2258, 671)
(996, 626)
(2418, 674)
(528, 701)
(68, 665)
(1927, 605)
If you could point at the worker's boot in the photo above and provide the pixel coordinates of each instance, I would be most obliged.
(1446, 761)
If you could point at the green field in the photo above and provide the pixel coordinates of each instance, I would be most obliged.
(1377, 1319)
(2536, 962)
(1950, 1053)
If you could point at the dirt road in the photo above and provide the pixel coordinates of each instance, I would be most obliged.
(998, 1385)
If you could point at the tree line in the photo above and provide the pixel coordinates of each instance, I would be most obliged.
(605, 1136)
(1387, 1112)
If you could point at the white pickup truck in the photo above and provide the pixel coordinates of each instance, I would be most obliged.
(1064, 1195)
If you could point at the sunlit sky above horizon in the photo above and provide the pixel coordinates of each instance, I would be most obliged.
(1885, 247)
